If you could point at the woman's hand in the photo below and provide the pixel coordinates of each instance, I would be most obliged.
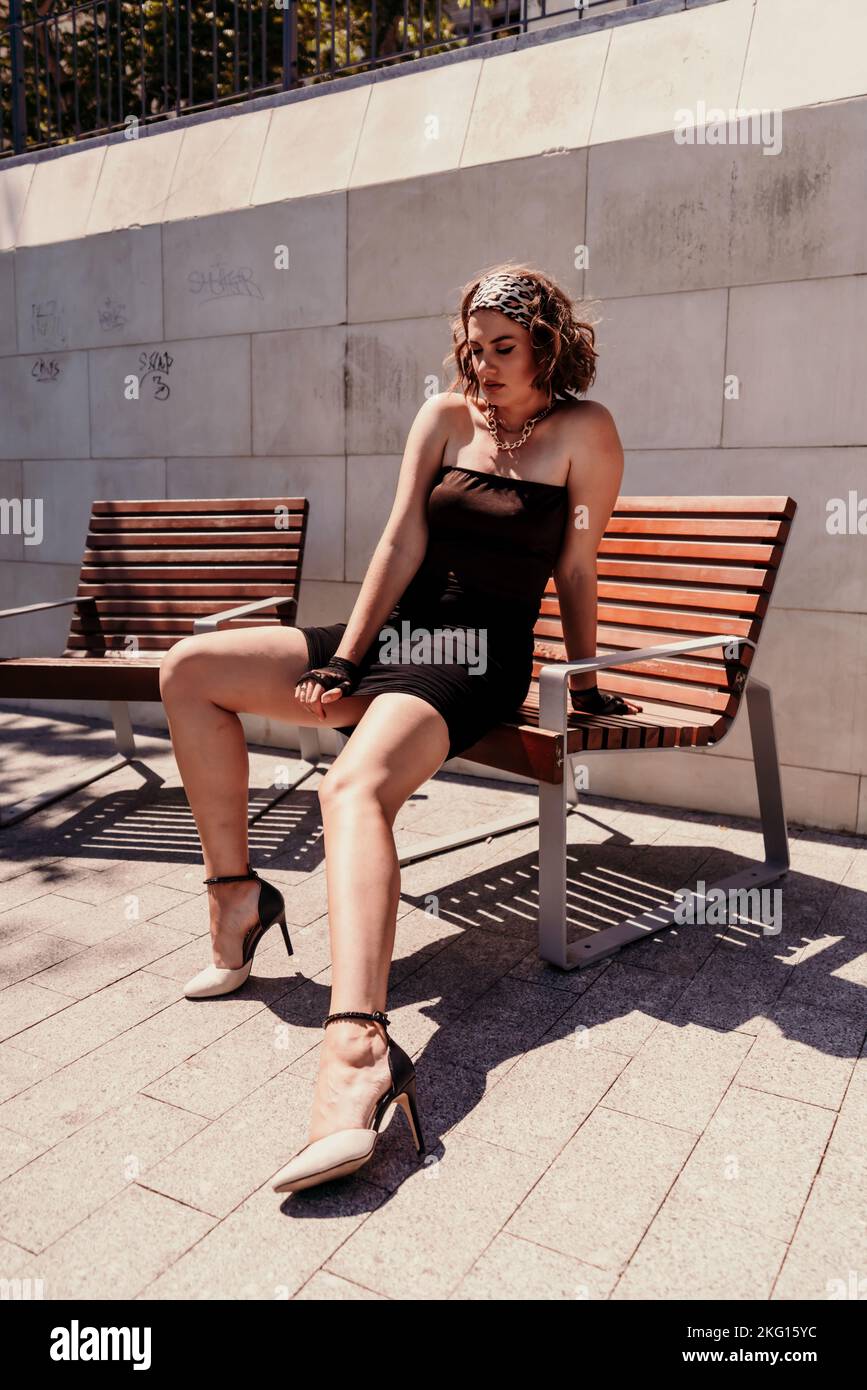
(323, 685)
(592, 700)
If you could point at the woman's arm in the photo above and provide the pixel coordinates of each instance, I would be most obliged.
(402, 545)
(595, 475)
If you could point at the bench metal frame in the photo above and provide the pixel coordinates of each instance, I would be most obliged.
(558, 800)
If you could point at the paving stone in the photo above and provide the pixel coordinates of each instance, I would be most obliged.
(679, 1075)
(621, 1008)
(51, 915)
(13, 1259)
(97, 966)
(19, 1070)
(327, 1286)
(63, 1186)
(79, 1093)
(16, 1151)
(733, 1173)
(540, 1103)
(847, 912)
(105, 884)
(267, 1249)
(87, 1023)
(490, 1036)
(35, 955)
(831, 973)
(224, 1162)
(804, 1052)
(596, 1200)
(848, 1134)
(24, 1004)
(121, 1247)
(233, 1066)
(686, 1256)
(107, 919)
(735, 988)
(460, 973)
(515, 1269)
(533, 968)
(826, 1256)
(22, 888)
(425, 1238)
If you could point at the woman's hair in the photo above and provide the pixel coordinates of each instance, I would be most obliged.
(562, 343)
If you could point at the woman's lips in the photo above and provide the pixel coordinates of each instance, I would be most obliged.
(494, 386)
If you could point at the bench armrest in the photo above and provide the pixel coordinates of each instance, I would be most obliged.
(552, 678)
(55, 603)
(215, 620)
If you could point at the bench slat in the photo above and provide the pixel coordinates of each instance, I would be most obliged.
(671, 549)
(128, 542)
(631, 571)
(713, 506)
(196, 506)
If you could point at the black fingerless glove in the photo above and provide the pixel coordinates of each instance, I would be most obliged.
(595, 701)
(338, 674)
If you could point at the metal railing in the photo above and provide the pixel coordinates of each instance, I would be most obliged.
(70, 70)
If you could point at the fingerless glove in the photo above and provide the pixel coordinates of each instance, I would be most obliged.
(337, 674)
(595, 701)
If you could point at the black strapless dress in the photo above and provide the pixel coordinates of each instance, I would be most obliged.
(492, 545)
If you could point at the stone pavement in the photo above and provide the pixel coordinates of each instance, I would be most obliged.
(684, 1120)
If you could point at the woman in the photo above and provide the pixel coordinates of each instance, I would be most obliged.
(502, 483)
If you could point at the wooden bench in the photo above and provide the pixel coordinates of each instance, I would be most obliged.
(684, 585)
(152, 573)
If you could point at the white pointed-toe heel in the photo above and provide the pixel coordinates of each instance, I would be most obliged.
(220, 979)
(339, 1154)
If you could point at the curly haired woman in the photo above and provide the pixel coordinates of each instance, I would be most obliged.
(495, 472)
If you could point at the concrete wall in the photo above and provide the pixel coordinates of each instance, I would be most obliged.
(390, 191)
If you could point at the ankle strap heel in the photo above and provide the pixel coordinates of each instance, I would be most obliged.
(214, 979)
(344, 1151)
(376, 1017)
(232, 878)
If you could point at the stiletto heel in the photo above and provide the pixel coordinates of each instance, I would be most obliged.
(406, 1101)
(220, 979)
(339, 1154)
(282, 921)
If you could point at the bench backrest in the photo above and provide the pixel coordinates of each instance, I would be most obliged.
(155, 566)
(674, 567)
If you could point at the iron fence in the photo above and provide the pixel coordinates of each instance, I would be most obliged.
(69, 70)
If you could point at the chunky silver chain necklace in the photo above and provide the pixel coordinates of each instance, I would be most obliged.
(490, 411)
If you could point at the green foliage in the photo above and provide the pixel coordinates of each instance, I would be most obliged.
(103, 64)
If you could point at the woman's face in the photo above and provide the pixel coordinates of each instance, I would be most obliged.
(501, 355)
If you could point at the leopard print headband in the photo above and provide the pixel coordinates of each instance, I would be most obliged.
(511, 294)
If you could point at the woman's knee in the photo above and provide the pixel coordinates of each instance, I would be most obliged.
(342, 787)
(179, 662)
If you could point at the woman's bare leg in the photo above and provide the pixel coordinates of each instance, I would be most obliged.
(400, 741)
(398, 744)
(205, 682)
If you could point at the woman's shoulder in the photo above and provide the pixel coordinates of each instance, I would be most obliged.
(583, 412)
(587, 422)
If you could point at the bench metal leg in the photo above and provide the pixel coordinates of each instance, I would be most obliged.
(124, 743)
(553, 945)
